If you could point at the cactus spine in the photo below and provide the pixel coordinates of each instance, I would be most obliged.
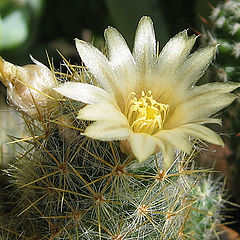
(223, 27)
(67, 186)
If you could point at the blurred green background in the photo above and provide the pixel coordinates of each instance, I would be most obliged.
(36, 26)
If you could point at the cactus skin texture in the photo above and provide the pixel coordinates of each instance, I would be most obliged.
(67, 186)
(223, 27)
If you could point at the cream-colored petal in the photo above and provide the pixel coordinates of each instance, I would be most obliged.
(102, 111)
(175, 137)
(143, 145)
(205, 100)
(174, 52)
(198, 108)
(120, 58)
(84, 92)
(107, 131)
(213, 89)
(168, 151)
(37, 62)
(201, 132)
(123, 64)
(97, 63)
(194, 66)
(144, 50)
(208, 120)
(164, 78)
(168, 156)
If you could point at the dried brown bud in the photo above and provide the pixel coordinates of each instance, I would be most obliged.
(28, 87)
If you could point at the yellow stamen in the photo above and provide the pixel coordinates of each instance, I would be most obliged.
(146, 115)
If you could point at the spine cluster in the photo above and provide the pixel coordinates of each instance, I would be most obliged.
(223, 27)
(67, 186)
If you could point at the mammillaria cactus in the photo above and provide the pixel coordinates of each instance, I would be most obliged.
(223, 26)
(131, 174)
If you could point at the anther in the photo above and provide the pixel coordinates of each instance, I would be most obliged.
(145, 114)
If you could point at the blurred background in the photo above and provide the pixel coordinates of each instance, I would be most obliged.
(38, 27)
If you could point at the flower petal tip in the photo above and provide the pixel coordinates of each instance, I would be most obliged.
(110, 34)
(145, 18)
(78, 40)
(142, 145)
(80, 44)
(145, 21)
(184, 35)
(213, 49)
(109, 29)
(220, 142)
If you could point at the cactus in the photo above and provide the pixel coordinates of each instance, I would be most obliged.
(66, 185)
(71, 187)
(223, 27)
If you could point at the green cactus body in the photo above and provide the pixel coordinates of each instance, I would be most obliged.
(226, 29)
(68, 186)
(223, 27)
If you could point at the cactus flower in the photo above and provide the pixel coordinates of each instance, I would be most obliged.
(28, 87)
(148, 100)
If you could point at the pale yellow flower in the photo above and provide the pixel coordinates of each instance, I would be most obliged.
(149, 101)
(28, 87)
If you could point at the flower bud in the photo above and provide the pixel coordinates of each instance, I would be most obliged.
(29, 87)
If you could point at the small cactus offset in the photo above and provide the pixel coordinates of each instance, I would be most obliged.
(111, 144)
(223, 27)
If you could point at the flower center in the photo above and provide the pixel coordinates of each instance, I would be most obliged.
(146, 115)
